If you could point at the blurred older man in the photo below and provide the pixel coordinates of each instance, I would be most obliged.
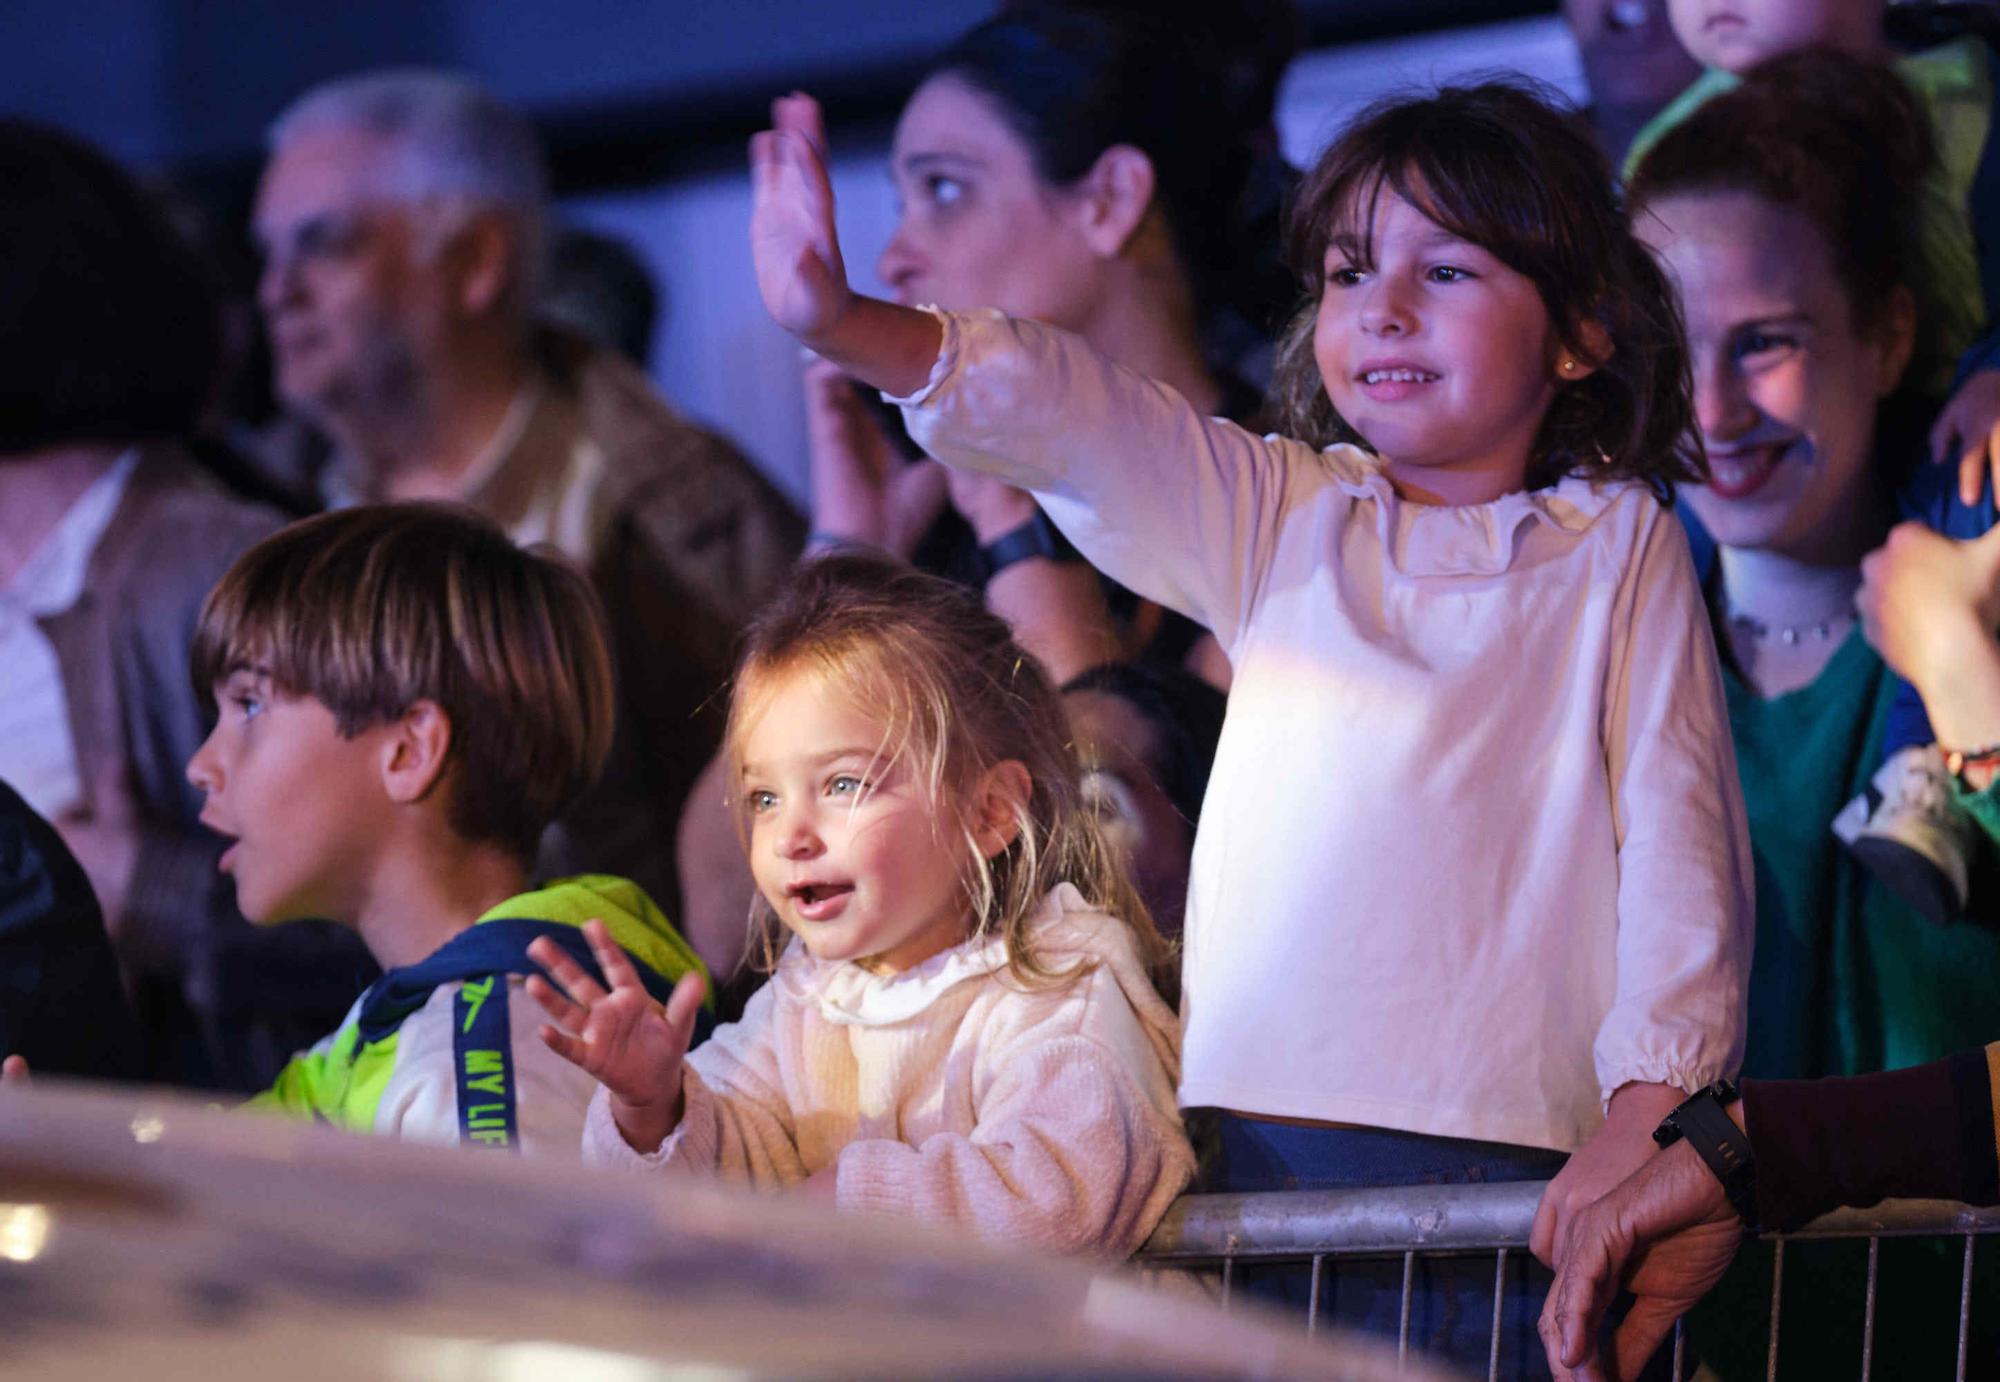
(401, 218)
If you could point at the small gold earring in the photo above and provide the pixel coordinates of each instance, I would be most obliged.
(1568, 366)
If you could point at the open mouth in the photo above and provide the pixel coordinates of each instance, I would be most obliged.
(817, 901)
(1397, 376)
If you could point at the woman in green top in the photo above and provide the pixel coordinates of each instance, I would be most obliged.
(1792, 241)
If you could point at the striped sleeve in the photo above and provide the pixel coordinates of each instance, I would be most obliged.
(1928, 1132)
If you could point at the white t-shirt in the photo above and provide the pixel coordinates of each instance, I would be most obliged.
(1474, 852)
(37, 750)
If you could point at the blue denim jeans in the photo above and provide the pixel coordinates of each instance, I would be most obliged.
(1451, 1300)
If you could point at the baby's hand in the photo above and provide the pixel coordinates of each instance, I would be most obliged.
(1967, 431)
(14, 1071)
(792, 238)
(630, 1044)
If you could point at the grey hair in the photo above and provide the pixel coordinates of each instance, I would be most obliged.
(452, 144)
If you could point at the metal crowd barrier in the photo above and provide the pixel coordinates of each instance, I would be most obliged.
(1209, 1233)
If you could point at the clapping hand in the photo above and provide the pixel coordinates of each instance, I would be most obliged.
(630, 1044)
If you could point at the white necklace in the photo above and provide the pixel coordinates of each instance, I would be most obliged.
(1791, 635)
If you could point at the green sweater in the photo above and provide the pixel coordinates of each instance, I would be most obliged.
(1845, 979)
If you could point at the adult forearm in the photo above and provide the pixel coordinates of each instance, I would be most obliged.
(1924, 1132)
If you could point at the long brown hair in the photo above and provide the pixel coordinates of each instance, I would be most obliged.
(1499, 166)
(956, 696)
(1844, 142)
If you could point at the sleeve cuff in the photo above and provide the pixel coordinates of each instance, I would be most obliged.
(1686, 1076)
(873, 1177)
(941, 368)
(605, 1145)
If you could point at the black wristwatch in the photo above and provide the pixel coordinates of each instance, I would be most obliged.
(1036, 538)
(1703, 1119)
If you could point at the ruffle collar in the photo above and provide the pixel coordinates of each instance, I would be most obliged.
(850, 996)
(1464, 539)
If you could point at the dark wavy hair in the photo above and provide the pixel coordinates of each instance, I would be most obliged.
(1842, 141)
(109, 327)
(1502, 166)
(1072, 83)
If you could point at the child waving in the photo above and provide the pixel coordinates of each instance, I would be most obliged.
(1471, 887)
(964, 1026)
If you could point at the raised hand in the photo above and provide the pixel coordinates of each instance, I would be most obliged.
(630, 1044)
(799, 269)
(792, 237)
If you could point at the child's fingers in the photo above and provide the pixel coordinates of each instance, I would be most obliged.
(611, 957)
(565, 973)
(1972, 470)
(564, 1045)
(1542, 1233)
(684, 1004)
(763, 161)
(560, 1010)
(798, 113)
(1943, 438)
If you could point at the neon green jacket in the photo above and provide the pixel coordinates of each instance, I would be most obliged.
(445, 1050)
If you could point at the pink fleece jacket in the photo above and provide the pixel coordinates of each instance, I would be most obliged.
(950, 1092)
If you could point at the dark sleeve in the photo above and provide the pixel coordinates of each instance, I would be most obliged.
(61, 1004)
(1928, 1132)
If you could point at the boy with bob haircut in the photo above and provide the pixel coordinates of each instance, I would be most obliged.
(405, 700)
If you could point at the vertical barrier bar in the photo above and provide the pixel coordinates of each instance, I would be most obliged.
(1228, 1275)
(1680, 1346)
(1777, 1290)
(1868, 1319)
(1964, 1308)
(1499, 1293)
(1403, 1327)
(1312, 1301)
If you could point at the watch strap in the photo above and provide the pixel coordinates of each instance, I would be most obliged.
(1036, 538)
(1703, 1119)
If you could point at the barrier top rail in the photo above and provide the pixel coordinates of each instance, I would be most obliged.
(1455, 1218)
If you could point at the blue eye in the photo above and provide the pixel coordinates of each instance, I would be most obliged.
(845, 785)
(250, 707)
(944, 191)
(761, 800)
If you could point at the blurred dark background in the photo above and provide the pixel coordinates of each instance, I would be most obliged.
(645, 107)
